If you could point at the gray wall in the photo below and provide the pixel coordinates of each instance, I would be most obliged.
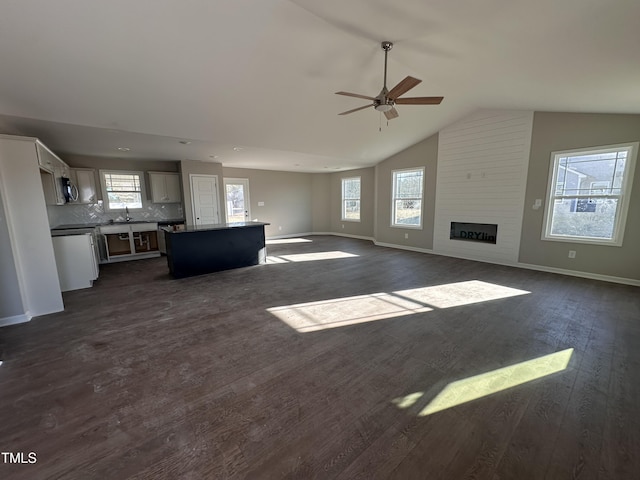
(10, 298)
(321, 202)
(422, 154)
(363, 228)
(286, 196)
(564, 131)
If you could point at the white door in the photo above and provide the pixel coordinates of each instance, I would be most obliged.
(204, 199)
(237, 199)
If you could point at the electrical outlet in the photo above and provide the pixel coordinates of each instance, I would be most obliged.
(572, 254)
(343, 225)
(406, 236)
(280, 227)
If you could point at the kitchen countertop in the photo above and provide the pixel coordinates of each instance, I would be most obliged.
(73, 226)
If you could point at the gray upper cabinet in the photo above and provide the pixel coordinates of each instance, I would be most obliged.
(165, 187)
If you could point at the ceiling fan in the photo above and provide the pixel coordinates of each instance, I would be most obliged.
(387, 99)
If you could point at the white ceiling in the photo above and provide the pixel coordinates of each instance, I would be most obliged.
(88, 77)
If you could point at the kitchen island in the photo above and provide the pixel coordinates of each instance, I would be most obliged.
(200, 249)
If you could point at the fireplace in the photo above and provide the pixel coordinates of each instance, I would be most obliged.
(474, 232)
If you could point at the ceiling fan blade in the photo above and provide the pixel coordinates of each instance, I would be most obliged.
(419, 101)
(355, 109)
(357, 95)
(404, 86)
(391, 114)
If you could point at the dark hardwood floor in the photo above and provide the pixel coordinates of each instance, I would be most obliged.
(147, 377)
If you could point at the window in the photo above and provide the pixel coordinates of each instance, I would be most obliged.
(351, 199)
(406, 207)
(591, 196)
(121, 189)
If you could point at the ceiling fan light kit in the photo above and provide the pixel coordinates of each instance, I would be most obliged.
(387, 99)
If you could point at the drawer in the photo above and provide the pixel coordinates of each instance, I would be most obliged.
(107, 229)
(144, 227)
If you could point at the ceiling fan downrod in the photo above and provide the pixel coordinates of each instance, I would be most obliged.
(386, 46)
(382, 103)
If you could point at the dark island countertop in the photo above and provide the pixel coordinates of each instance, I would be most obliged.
(216, 226)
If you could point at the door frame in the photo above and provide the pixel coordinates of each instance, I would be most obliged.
(247, 200)
(193, 202)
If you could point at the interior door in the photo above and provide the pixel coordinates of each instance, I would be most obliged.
(237, 199)
(204, 199)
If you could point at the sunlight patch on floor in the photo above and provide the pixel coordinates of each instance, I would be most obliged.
(309, 257)
(339, 312)
(478, 386)
(284, 241)
(460, 293)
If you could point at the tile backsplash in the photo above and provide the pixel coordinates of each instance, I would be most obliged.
(94, 213)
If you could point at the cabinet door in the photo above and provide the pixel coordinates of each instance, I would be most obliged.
(85, 180)
(173, 188)
(45, 159)
(165, 187)
(58, 173)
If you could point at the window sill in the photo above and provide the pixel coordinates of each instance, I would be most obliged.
(411, 227)
(585, 241)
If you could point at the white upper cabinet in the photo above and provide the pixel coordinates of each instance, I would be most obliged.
(56, 167)
(165, 187)
(85, 180)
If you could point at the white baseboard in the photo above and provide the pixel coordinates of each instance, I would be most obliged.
(358, 237)
(540, 268)
(14, 320)
(290, 235)
(574, 273)
(402, 247)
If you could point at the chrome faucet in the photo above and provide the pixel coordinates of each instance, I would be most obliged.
(127, 217)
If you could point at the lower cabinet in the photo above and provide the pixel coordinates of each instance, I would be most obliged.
(75, 260)
(131, 241)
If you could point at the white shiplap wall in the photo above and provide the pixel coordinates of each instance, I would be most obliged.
(481, 178)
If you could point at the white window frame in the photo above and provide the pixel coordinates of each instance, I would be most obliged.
(623, 198)
(345, 200)
(393, 198)
(105, 194)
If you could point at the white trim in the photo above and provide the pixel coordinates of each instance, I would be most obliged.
(403, 247)
(14, 320)
(105, 193)
(623, 198)
(576, 273)
(217, 196)
(342, 199)
(357, 237)
(393, 198)
(247, 198)
(524, 266)
(293, 235)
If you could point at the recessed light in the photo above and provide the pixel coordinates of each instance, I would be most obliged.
(185, 142)
(237, 149)
(124, 149)
(214, 156)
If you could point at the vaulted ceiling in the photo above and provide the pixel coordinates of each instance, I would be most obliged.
(89, 77)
